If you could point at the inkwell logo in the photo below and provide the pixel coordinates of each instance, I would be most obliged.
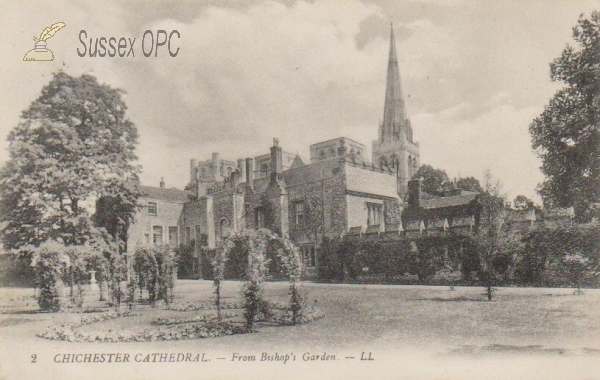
(41, 53)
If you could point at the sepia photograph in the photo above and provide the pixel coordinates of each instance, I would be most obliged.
(278, 189)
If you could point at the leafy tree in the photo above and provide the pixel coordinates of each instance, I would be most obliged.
(566, 135)
(73, 146)
(521, 202)
(433, 179)
(494, 237)
(469, 184)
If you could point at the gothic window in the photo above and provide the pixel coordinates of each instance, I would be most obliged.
(331, 152)
(260, 217)
(157, 234)
(229, 171)
(374, 214)
(359, 152)
(264, 168)
(394, 161)
(198, 235)
(173, 235)
(152, 209)
(203, 172)
(188, 235)
(322, 154)
(299, 214)
(223, 229)
(309, 255)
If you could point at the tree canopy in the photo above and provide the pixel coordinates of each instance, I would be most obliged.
(73, 146)
(566, 135)
(469, 184)
(433, 179)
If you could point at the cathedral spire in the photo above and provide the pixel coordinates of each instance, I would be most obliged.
(394, 111)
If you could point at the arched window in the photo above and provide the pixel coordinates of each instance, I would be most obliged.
(202, 171)
(264, 168)
(331, 152)
(321, 154)
(223, 229)
(394, 161)
(383, 161)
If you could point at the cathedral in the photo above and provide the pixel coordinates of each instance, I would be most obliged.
(339, 191)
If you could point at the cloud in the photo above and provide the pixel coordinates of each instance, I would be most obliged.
(496, 138)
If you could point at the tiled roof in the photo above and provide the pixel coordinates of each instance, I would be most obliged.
(167, 195)
(457, 200)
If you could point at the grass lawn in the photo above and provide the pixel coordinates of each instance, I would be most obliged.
(548, 332)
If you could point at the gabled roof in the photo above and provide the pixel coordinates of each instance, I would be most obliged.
(297, 162)
(166, 195)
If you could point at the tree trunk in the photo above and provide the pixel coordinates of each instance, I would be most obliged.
(489, 285)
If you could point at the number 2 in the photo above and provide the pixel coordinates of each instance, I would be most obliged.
(33, 358)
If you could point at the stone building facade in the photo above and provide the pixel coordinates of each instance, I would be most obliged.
(339, 191)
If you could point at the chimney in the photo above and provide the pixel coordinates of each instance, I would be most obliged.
(241, 164)
(250, 172)
(215, 166)
(235, 178)
(202, 187)
(414, 192)
(276, 158)
(162, 182)
(193, 170)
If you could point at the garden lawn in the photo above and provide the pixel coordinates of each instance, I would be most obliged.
(448, 332)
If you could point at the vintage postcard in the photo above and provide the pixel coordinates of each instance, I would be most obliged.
(317, 189)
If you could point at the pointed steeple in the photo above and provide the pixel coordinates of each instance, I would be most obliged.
(394, 111)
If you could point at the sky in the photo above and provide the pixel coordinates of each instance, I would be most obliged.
(475, 74)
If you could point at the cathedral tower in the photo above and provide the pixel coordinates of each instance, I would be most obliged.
(395, 147)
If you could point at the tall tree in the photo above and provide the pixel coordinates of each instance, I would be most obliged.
(73, 146)
(566, 135)
(469, 184)
(433, 179)
(494, 235)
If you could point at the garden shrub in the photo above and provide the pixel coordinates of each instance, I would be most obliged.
(49, 262)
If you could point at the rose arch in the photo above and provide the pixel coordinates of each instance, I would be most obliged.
(257, 243)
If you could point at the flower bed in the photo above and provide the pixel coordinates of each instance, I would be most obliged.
(195, 318)
(170, 328)
(208, 329)
(309, 314)
(193, 306)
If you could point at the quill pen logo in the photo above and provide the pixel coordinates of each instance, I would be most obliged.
(41, 52)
